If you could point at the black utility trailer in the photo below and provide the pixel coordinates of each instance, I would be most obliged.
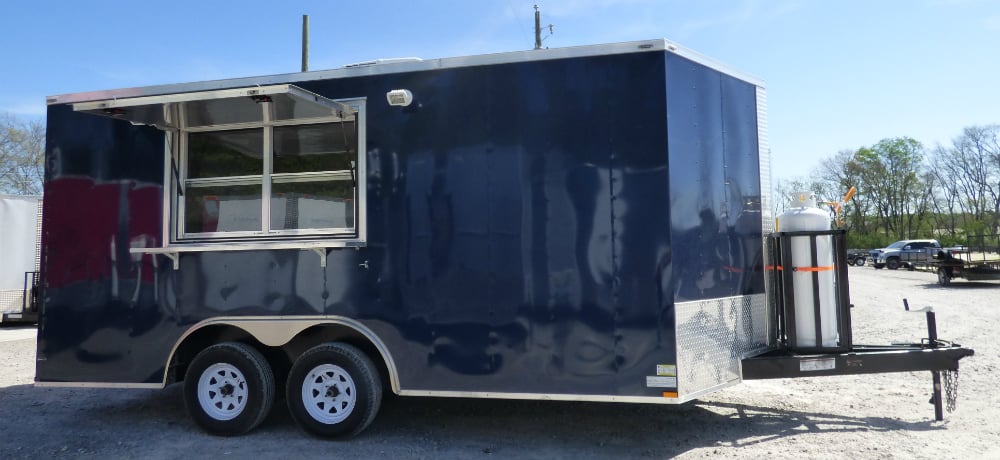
(582, 224)
(857, 257)
(978, 260)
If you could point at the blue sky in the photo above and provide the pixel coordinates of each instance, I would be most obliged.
(839, 74)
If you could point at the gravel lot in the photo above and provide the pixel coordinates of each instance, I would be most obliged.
(859, 417)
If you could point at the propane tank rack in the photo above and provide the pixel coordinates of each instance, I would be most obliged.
(826, 299)
(795, 357)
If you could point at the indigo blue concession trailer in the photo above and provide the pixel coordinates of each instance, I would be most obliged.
(585, 223)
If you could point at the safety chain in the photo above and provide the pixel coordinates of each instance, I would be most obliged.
(951, 389)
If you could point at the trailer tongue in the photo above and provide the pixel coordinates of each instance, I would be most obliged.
(791, 360)
(940, 357)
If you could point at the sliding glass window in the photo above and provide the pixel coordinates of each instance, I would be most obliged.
(287, 177)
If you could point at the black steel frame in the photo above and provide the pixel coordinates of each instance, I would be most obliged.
(29, 302)
(784, 279)
(790, 361)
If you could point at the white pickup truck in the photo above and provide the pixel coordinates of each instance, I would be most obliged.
(905, 253)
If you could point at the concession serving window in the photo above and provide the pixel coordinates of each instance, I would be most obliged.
(264, 167)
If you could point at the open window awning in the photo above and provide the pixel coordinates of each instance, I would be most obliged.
(219, 107)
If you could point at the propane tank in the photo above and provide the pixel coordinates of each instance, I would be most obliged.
(805, 216)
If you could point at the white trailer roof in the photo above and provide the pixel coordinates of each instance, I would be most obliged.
(389, 66)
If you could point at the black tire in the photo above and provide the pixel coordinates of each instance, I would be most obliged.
(334, 391)
(229, 389)
(892, 263)
(860, 262)
(944, 277)
(878, 266)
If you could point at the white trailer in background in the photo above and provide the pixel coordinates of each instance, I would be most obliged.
(20, 234)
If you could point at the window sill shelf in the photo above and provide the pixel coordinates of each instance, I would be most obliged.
(321, 248)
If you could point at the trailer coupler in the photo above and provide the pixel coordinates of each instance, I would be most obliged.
(932, 354)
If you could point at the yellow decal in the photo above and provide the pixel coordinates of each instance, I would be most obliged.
(666, 370)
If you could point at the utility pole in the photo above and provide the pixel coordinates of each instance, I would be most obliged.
(305, 42)
(538, 28)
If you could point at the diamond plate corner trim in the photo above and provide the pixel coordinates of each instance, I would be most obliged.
(712, 338)
(764, 158)
(767, 216)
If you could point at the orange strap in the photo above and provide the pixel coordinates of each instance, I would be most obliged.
(813, 269)
(772, 267)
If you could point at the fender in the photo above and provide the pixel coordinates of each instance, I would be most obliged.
(275, 331)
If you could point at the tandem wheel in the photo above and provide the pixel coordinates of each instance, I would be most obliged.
(333, 390)
(229, 389)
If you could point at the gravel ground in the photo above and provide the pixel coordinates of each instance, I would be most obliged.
(858, 417)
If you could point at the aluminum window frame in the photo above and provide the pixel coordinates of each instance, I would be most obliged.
(166, 111)
(177, 150)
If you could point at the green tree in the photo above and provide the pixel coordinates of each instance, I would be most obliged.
(841, 172)
(891, 172)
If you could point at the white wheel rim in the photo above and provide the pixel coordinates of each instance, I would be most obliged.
(222, 391)
(329, 394)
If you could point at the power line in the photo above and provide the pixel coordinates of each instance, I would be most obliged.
(516, 16)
